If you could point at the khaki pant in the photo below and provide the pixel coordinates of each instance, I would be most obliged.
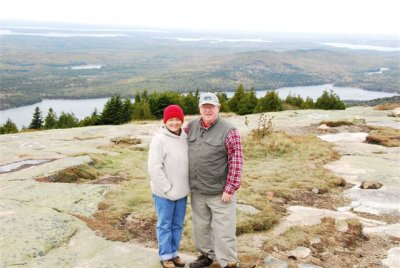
(214, 227)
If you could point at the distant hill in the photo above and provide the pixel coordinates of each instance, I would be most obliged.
(37, 67)
(374, 102)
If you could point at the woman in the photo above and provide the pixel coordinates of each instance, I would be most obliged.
(168, 167)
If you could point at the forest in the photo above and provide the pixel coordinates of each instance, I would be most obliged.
(147, 106)
(33, 68)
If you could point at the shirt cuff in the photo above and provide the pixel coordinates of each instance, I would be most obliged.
(229, 189)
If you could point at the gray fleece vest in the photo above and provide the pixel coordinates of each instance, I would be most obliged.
(208, 158)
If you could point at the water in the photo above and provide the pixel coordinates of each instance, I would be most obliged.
(85, 67)
(62, 34)
(314, 92)
(22, 116)
(364, 47)
(21, 164)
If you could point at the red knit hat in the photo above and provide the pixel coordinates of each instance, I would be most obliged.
(173, 111)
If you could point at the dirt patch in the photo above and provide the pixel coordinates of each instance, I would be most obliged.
(141, 231)
(320, 200)
(313, 129)
(330, 247)
(109, 180)
(388, 218)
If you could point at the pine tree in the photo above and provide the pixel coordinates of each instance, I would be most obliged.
(112, 112)
(141, 110)
(248, 103)
(67, 120)
(329, 101)
(50, 121)
(269, 103)
(37, 120)
(8, 127)
(237, 98)
(308, 104)
(190, 104)
(293, 100)
(158, 102)
(126, 111)
(223, 100)
(91, 120)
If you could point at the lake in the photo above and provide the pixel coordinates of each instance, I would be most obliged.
(22, 116)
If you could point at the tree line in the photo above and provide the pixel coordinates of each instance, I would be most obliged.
(118, 110)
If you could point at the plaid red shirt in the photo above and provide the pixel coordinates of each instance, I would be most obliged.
(234, 148)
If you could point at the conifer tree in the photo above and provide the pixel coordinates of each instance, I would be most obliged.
(223, 100)
(248, 103)
(293, 100)
(141, 110)
(50, 121)
(190, 104)
(126, 111)
(67, 120)
(91, 120)
(329, 101)
(37, 120)
(237, 98)
(112, 112)
(8, 127)
(269, 103)
(308, 104)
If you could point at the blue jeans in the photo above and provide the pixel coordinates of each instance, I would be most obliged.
(170, 217)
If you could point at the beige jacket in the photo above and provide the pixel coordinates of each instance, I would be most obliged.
(168, 165)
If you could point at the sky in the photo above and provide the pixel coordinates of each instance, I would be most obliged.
(297, 16)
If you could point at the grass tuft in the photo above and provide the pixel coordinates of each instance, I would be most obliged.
(385, 136)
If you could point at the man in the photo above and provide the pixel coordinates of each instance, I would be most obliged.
(215, 167)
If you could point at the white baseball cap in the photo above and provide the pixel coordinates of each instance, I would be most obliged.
(208, 98)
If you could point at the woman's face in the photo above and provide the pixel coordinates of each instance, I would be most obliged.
(174, 125)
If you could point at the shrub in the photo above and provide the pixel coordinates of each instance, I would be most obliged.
(269, 103)
(329, 101)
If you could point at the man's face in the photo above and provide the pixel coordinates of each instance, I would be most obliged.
(209, 112)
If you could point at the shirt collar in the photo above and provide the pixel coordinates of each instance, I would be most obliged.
(203, 125)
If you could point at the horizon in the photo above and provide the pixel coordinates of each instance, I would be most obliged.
(253, 16)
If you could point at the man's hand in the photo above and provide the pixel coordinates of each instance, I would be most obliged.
(226, 198)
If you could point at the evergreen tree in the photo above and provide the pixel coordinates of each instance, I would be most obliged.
(295, 101)
(8, 127)
(223, 100)
(158, 102)
(248, 103)
(37, 120)
(67, 120)
(126, 110)
(141, 110)
(197, 94)
(237, 98)
(329, 101)
(113, 112)
(190, 104)
(269, 103)
(145, 95)
(308, 104)
(91, 120)
(50, 121)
